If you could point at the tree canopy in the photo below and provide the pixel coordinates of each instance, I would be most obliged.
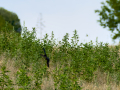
(110, 16)
(11, 18)
(3, 24)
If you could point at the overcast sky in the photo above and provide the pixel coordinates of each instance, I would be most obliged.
(61, 17)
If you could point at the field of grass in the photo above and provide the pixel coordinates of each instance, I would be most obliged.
(72, 66)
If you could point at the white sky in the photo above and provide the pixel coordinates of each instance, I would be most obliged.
(61, 17)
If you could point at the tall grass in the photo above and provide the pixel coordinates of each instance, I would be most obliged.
(69, 62)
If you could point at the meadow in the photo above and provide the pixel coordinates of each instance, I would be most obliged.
(72, 66)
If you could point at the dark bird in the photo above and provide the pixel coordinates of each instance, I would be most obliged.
(48, 60)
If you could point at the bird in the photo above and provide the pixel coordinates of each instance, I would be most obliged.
(45, 56)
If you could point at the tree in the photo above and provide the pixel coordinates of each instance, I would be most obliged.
(11, 18)
(110, 16)
(3, 24)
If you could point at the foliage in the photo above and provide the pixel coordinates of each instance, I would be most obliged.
(67, 80)
(22, 78)
(3, 25)
(9, 41)
(38, 74)
(5, 80)
(69, 61)
(110, 16)
(11, 18)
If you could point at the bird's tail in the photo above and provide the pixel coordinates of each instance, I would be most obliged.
(48, 63)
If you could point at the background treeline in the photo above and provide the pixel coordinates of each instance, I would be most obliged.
(11, 19)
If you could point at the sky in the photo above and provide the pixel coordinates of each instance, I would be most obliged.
(61, 17)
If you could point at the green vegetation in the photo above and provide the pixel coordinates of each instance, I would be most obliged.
(69, 62)
(11, 18)
(110, 16)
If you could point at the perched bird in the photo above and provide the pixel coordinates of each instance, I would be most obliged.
(48, 60)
